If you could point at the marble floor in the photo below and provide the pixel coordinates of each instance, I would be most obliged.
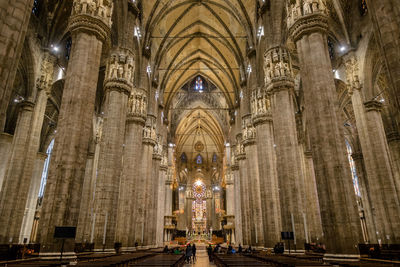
(202, 258)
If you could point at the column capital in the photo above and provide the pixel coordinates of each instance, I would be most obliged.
(91, 17)
(45, 80)
(393, 136)
(260, 105)
(352, 73)
(26, 105)
(120, 71)
(137, 106)
(248, 131)
(305, 17)
(373, 105)
(278, 70)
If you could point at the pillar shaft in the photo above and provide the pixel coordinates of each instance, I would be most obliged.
(385, 19)
(334, 184)
(67, 168)
(267, 167)
(118, 86)
(30, 208)
(244, 196)
(14, 22)
(5, 149)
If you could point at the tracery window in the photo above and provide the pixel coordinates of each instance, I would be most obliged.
(199, 159)
(46, 169)
(353, 169)
(331, 48)
(363, 7)
(199, 85)
(68, 46)
(214, 158)
(36, 7)
(183, 158)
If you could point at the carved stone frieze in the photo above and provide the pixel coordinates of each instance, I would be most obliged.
(99, 130)
(149, 131)
(277, 66)
(305, 16)
(93, 16)
(120, 71)
(137, 106)
(45, 80)
(248, 131)
(260, 106)
(352, 74)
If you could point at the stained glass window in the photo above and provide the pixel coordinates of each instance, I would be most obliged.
(46, 169)
(183, 158)
(36, 7)
(214, 158)
(353, 169)
(363, 7)
(68, 45)
(199, 159)
(199, 85)
(331, 48)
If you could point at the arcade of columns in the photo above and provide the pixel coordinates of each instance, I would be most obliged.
(287, 168)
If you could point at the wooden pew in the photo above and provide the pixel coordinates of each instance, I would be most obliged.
(163, 260)
(237, 260)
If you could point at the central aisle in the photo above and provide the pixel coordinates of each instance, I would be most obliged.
(201, 257)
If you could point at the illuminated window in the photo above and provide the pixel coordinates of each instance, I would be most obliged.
(183, 158)
(214, 158)
(68, 46)
(46, 169)
(199, 85)
(353, 169)
(199, 159)
(363, 7)
(36, 7)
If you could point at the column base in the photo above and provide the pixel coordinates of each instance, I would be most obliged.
(128, 249)
(56, 256)
(341, 257)
(106, 250)
(295, 252)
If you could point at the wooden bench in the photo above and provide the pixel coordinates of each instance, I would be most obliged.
(224, 260)
(286, 261)
(162, 260)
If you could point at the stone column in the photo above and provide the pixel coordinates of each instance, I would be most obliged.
(365, 197)
(144, 182)
(162, 190)
(90, 28)
(84, 229)
(382, 191)
(153, 193)
(253, 178)
(378, 164)
(5, 149)
(244, 191)
(308, 26)
(384, 14)
(393, 139)
(32, 200)
(238, 206)
(262, 119)
(279, 83)
(20, 169)
(312, 205)
(14, 20)
(117, 85)
(127, 210)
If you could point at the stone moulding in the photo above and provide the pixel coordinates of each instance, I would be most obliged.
(90, 25)
(317, 22)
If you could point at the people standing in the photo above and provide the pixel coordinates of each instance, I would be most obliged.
(188, 253)
(209, 252)
(194, 253)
